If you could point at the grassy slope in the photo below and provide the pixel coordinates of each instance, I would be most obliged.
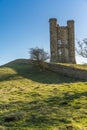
(34, 100)
(78, 66)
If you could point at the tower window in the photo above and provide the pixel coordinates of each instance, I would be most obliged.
(59, 42)
(59, 52)
(66, 42)
(58, 31)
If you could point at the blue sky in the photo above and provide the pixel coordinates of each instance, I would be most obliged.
(25, 24)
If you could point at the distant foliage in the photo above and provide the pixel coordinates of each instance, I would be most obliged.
(39, 55)
(82, 48)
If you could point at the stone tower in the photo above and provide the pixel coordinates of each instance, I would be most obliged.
(62, 42)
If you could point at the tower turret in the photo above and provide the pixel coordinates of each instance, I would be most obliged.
(53, 39)
(71, 40)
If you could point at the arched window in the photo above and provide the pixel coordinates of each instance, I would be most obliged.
(59, 42)
(66, 42)
(59, 52)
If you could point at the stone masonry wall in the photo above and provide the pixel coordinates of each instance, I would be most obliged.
(67, 71)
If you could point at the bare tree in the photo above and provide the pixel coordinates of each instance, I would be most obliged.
(38, 55)
(82, 48)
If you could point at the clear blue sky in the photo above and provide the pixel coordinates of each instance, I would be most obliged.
(24, 24)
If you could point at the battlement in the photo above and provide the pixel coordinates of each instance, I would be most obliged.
(70, 21)
(52, 19)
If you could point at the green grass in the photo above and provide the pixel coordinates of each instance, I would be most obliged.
(35, 100)
(78, 66)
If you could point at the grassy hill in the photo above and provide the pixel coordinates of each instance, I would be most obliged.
(35, 100)
(78, 66)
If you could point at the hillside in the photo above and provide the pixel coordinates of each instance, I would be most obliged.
(35, 100)
(78, 66)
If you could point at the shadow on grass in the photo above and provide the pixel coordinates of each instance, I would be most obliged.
(45, 112)
(28, 71)
(8, 77)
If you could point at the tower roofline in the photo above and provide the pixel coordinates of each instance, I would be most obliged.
(70, 21)
(52, 19)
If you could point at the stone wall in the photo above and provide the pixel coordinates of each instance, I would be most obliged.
(67, 71)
